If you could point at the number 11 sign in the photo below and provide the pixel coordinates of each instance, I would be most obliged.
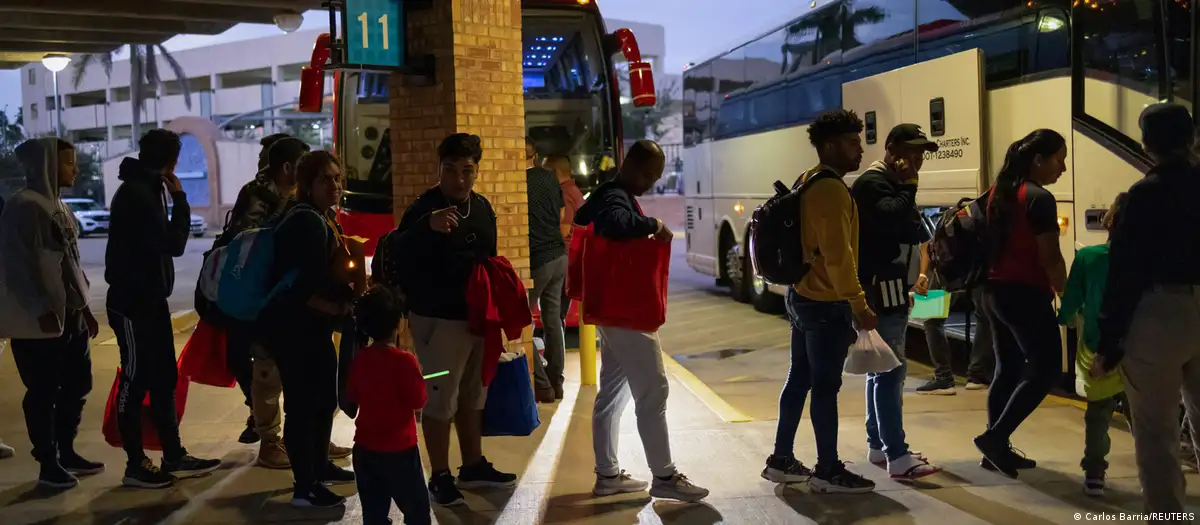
(374, 32)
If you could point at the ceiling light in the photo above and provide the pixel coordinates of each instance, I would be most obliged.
(289, 22)
(56, 62)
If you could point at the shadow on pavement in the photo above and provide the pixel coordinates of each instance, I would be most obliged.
(843, 509)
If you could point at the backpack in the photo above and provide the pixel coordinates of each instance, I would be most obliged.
(385, 266)
(776, 250)
(958, 251)
(235, 277)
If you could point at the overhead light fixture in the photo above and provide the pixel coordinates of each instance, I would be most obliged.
(56, 62)
(289, 22)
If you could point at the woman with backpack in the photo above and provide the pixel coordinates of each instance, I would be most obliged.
(1026, 269)
(297, 326)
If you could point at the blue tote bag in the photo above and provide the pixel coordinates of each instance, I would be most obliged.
(511, 409)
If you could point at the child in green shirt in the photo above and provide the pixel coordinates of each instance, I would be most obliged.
(1085, 291)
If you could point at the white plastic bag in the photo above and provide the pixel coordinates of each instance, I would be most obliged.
(870, 355)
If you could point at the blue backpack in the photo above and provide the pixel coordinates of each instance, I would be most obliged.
(237, 277)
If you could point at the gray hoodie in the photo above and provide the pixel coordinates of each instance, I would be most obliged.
(40, 270)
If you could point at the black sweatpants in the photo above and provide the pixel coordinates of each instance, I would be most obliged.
(1028, 353)
(308, 367)
(57, 374)
(147, 343)
(384, 477)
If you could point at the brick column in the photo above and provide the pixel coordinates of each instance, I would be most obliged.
(477, 90)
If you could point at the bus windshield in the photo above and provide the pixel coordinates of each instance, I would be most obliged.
(568, 99)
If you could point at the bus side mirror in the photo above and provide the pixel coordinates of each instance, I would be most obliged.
(312, 76)
(641, 75)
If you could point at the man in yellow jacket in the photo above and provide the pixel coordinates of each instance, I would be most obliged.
(824, 309)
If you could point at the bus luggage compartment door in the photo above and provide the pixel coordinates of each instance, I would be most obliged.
(944, 97)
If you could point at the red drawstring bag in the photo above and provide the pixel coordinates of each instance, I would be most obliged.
(579, 236)
(112, 434)
(203, 358)
(625, 283)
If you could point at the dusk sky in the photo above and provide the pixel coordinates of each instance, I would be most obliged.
(695, 29)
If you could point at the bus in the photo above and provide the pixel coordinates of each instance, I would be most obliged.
(976, 75)
(572, 107)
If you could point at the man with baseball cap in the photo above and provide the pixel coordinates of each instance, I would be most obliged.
(891, 231)
(1148, 322)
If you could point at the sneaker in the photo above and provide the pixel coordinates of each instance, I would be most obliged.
(879, 458)
(272, 455)
(1093, 484)
(998, 454)
(6, 451)
(190, 467)
(334, 475)
(839, 480)
(910, 466)
(147, 476)
(785, 470)
(249, 435)
(339, 452)
(484, 475)
(316, 495)
(77, 465)
(54, 476)
(677, 487)
(442, 490)
(620, 484)
(1017, 458)
(976, 385)
(937, 387)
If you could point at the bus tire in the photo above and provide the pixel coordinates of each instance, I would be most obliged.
(735, 268)
(757, 293)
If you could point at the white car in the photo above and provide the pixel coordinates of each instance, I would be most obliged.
(90, 216)
(198, 225)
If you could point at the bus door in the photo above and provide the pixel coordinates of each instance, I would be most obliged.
(944, 97)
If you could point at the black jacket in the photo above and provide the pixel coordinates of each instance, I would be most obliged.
(435, 267)
(615, 214)
(889, 229)
(306, 242)
(1150, 244)
(142, 243)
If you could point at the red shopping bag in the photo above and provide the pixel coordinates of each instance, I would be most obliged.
(579, 236)
(112, 434)
(203, 358)
(625, 283)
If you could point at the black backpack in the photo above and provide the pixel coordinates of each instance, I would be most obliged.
(776, 250)
(385, 266)
(959, 251)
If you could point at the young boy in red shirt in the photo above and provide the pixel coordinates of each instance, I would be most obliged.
(387, 386)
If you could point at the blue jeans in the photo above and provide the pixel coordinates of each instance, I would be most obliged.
(822, 333)
(885, 391)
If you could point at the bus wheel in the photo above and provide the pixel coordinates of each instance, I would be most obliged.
(735, 266)
(757, 293)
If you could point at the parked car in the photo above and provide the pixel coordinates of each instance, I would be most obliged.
(90, 216)
(199, 226)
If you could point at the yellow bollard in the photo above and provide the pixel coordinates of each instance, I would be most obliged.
(587, 351)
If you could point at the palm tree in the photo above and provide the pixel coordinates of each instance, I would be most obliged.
(835, 30)
(144, 77)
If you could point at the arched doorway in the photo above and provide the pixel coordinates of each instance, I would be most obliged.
(199, 167)
(192, 171)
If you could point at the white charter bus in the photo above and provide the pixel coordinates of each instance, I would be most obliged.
(976, 75)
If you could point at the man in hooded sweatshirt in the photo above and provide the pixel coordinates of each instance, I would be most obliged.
(141, 275)
(43, 306)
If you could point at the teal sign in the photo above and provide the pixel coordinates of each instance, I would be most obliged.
(374, 33)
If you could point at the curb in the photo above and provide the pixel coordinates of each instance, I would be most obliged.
(706, 394)
(184, 320)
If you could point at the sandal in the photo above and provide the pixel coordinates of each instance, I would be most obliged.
(917, 467)
(879, 459)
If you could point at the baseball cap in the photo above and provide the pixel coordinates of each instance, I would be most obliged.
(1166, 127)
(911, 135)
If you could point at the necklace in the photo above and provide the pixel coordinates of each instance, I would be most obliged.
(460, 213)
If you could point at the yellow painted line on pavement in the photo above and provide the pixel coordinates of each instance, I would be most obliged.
(706, 394)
